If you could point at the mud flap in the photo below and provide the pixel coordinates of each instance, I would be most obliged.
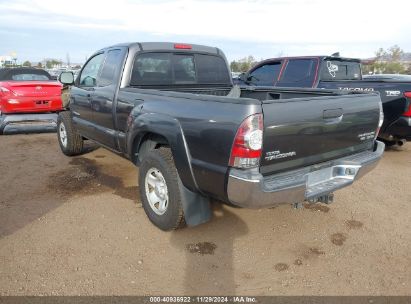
(196, 207)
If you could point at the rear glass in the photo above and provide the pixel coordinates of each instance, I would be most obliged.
(169, 69)
(29, 76)
(298, 73)
(184, 69)
(212, 69)
(340, 70)
(24, 74)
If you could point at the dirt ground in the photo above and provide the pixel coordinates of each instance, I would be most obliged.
(75, 226)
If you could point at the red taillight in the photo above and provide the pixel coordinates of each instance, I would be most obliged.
(248, 143)
(4, 91)
(5, 94)
(182, 46)
(408, 112)
(380, 121)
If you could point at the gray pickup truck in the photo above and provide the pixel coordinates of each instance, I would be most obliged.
(172, 110)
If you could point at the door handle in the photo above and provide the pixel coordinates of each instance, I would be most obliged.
(90, 90)
(332, 113)
(333, 116)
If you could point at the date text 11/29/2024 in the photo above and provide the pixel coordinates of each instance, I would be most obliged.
(202, 299)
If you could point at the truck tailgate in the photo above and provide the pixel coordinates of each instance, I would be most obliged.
(300, 132)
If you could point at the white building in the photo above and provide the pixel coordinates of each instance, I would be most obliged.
(6, 60)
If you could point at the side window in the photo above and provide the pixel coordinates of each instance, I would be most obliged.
(88, 77)
(298, 73)
(109, 70)
(265, 75)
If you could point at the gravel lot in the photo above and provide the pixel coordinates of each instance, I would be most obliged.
(75, 226)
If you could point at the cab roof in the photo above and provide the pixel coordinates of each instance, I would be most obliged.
(168, 46)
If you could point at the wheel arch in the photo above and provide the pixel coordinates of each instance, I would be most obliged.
(152, 131)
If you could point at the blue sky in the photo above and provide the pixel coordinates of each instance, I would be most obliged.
(40, 29)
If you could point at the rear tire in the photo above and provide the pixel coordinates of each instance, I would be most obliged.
(389, 143)
(71, 143)
(159, 191)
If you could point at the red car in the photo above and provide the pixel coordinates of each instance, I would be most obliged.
(29, 100)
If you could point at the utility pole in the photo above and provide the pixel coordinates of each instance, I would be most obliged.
(14, 57)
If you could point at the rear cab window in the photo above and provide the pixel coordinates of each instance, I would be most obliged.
(299, 73)
(334, 69)
(184, 69)
(167, 69)
(212, 70)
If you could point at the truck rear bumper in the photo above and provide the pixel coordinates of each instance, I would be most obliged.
(250, 189)
(28, 123)
(400, 129)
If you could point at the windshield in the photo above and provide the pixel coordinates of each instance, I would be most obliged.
(340, 70)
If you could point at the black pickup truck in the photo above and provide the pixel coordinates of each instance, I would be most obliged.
(331, 72)
(173, 111)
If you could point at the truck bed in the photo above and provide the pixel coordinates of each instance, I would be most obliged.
(301, 126)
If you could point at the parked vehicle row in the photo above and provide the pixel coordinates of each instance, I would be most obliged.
(173, 111)
(330, 72)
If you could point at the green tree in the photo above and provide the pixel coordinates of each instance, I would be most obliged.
(386, 62)
(243, 64)
(234, 66)
(395, 52)
(52, 63)
(27, 63)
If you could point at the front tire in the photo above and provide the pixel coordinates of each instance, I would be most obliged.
(71, 143)
(159, 191)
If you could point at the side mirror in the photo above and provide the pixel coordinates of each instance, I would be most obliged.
(66, 78)
(243, 77)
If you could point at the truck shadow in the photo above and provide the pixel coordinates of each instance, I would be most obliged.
(209, 253)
